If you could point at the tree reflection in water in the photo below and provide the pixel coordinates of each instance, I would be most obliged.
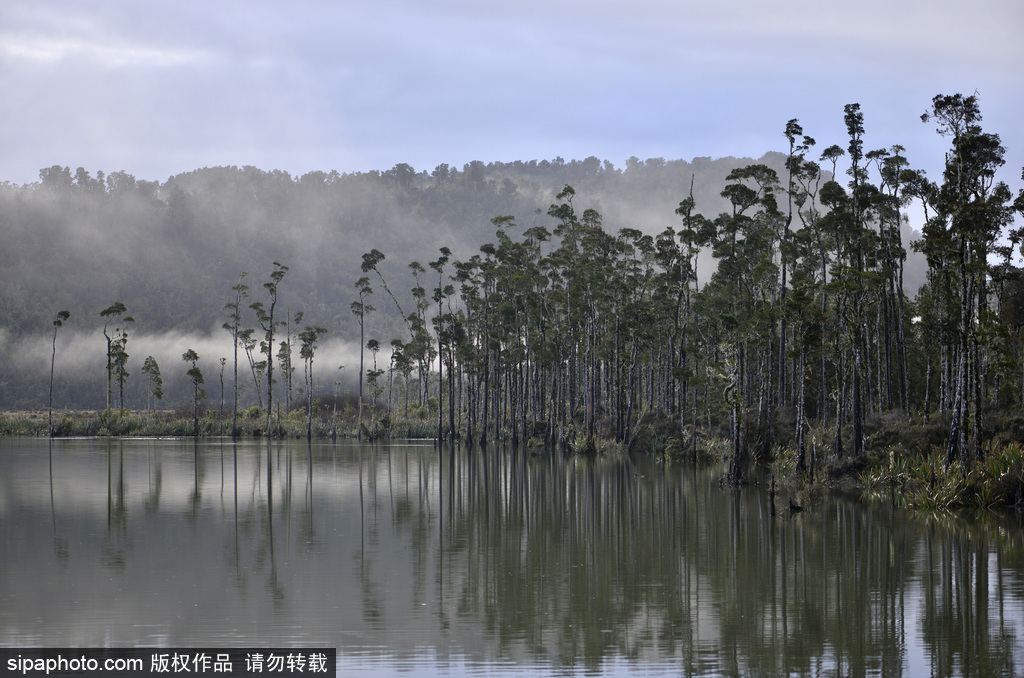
(499, 557)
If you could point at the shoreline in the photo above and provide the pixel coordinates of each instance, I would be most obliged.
(903, 465)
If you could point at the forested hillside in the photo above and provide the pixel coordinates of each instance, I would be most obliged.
(170, 251)
(762, 302)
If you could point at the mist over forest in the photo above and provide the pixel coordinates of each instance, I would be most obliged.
(170, 251)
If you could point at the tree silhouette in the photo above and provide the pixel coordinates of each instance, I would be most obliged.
(62, 317)
(195, 375)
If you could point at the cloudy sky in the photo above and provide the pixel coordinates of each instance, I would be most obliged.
(157, 88)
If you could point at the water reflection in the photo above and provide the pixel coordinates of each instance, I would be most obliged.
(491, 560)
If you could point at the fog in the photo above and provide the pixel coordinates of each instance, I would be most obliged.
(80, 367)
(171, 252)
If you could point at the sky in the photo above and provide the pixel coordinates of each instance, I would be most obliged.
(158, 88)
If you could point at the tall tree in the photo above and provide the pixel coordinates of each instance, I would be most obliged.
(794, 164)
(195, 375)
(680, 262)
(441, 292)
(373, 378)
(265, 315)
(971, 209)
(156, 390)
(233, 325)
(120, 360)
(284, 356)
(308, 338)
(359, 309)
(256, 367)
(745, 283)
(112, 314)
(854, 234)
(62, 317)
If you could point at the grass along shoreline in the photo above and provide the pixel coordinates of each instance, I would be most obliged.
(251, 423)
(903, 465)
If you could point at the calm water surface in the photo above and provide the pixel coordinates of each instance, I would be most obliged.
(415, 562)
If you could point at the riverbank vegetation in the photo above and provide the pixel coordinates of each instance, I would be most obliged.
(334, 419)
(800, 342)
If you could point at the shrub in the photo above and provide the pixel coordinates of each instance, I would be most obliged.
(925, 482)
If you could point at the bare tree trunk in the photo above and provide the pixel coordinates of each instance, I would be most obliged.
(800, 374)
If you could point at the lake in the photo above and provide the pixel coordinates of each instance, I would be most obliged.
(414, 561)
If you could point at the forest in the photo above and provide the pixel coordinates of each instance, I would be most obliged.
(774, 307)
(171, 251)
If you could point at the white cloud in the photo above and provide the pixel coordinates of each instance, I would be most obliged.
(157, 89)
(84, 352)
(50, 51)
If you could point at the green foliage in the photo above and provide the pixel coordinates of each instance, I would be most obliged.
(796, 346)
(187, 237)
(709, 450)
(151, 369)
(927, 483)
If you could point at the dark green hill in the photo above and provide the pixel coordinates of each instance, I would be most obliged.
(171, 251)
